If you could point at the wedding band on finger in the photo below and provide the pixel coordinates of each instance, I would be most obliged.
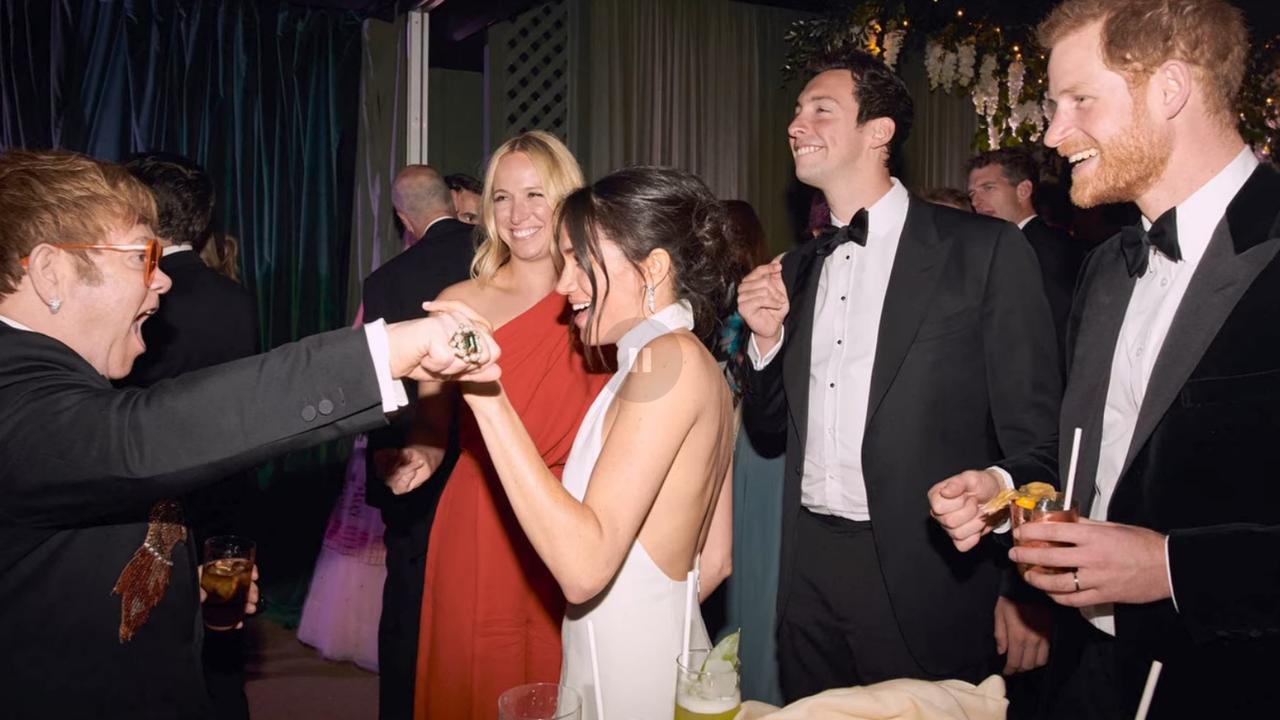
(465, 344)
(1075, 577)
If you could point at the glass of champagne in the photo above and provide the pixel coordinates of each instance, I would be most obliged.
(1046, 509)
(540, 701)
(707, 687)
(225, 578)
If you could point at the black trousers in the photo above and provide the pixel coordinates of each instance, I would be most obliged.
(838, 628)
(401, 617)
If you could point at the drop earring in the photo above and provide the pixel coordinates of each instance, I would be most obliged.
(55, 305)
(649, 301)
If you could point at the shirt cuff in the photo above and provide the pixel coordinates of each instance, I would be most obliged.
(753, 352)
(392, 390)
(1168, 571)
(1007, 479)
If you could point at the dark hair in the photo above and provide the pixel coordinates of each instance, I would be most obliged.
(746, 232)
(462, 181)
(184, 196)
(879, 92)
(642, 209)
(819, 212)
(1015, 165)
(947, 196)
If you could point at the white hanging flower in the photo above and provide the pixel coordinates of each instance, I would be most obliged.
(933, 54)
(966, 54)
(1017, 73)
(948, 75)
(893, 46)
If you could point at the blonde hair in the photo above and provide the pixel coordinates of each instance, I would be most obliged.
(60, 197)
(1140, 35)
(560, 176)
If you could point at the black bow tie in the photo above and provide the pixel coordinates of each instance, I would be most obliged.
(833, 237)
(1136, 243)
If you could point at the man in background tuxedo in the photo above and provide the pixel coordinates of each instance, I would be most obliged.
(1174, 375)
(440, 257)
(1001, 184)
(913, 341)
(465, 192)
(205, 319)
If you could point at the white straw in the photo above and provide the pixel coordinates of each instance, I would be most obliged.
(690, 597)
(595, 670)
(1071, 470)
(1150, 690)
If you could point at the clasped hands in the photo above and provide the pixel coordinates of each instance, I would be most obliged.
(1094, 562)
(454, 343)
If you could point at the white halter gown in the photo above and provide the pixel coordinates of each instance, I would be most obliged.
(639, 618)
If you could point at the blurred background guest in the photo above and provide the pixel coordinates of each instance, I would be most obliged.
(1002, 184)
(465, 191)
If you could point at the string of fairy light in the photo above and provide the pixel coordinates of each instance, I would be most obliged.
(985, 51)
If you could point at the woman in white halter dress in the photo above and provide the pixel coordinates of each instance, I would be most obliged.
(649, 266)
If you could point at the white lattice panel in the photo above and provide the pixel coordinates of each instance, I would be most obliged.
(535, 53)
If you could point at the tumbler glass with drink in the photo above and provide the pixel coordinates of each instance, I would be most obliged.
(540, 701)
(1033, 503)
(225, 578)
(708, 683)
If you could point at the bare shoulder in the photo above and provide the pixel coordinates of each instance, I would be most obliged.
(675, 362)
(465, 291)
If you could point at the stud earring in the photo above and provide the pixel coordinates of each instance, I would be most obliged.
(649, 301)
(55, 305)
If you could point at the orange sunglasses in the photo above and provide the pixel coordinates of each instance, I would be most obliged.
(150, 260)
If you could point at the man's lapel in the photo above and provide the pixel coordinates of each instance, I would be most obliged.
(803, 291)
(1105, 295)
(1243, 243)
(921, 256)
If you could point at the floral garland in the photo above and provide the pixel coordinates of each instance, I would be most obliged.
(1007, 84)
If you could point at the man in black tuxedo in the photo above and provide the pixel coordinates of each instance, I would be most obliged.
(98, 590)
(465, 192)
(1173, 376)
(913, 341)
(205, 319)
(394, 292)
(1001, 184)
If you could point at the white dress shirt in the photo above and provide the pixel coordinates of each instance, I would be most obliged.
(1022, 224)
(375, 334)
(1155, 299)
(846, 327)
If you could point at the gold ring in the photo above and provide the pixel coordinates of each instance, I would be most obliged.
(465, 344)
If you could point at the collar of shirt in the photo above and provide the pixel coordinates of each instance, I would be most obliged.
(14, 324)
(1022, 224)
(885, 215)
(1200, 213)
(171, 249)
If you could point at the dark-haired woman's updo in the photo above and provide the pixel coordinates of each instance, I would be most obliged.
(644, 208)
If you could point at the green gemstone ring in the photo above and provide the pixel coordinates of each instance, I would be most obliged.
(465, 344)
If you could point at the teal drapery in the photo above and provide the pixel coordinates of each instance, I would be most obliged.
(263, 94)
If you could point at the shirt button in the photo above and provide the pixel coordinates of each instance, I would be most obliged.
(842, 297)
(1164, 282)
(839, 342)
(833, 384)
(846, 257)
(309, 413)
(1138, 351)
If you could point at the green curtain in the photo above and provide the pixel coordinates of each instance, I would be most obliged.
(262, 94)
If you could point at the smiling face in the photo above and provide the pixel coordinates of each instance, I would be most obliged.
(521, 208)
(1101, 125)
(109, 304)
(602, 313)
(827, 142)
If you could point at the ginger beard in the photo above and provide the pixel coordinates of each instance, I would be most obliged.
(1125, 167)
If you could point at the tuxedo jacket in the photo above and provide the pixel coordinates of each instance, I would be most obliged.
(395, 292)
(964, 376)
(1060, 258)
(83, 463)
(1203, 461)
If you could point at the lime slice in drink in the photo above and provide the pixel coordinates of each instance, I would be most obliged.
(725, 651)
